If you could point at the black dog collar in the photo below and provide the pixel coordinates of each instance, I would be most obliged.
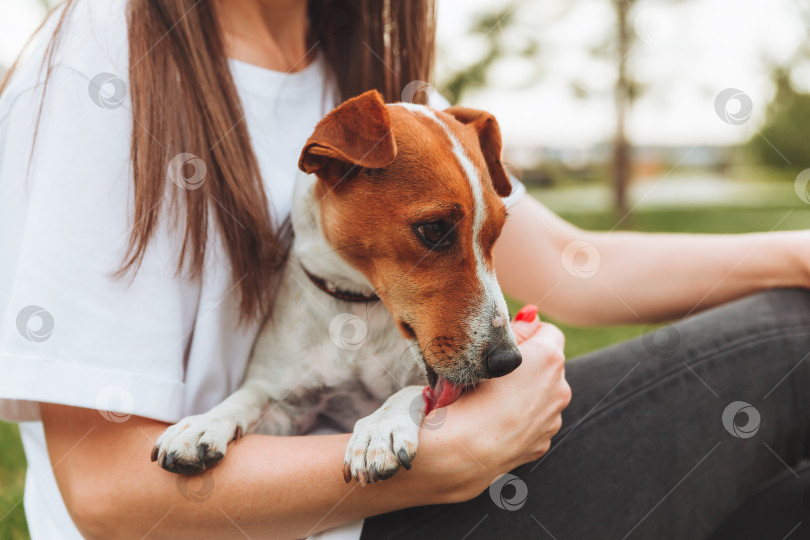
(332, 290)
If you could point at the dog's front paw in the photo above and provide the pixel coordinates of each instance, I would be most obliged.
(380, 444)
(194, 444)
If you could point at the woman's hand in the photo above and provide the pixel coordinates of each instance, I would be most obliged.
(509, 421)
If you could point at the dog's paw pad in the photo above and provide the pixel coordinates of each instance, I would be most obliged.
(194, 444)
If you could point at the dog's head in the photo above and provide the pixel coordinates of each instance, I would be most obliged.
(411, 197)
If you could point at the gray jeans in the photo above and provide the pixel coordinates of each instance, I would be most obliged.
(665, 437)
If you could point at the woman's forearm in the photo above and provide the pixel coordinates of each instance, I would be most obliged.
(653, 277)
(584, 277)
(266, 487)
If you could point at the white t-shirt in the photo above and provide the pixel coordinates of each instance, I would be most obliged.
(159, 346)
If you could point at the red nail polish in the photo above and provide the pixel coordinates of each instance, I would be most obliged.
(527, 313)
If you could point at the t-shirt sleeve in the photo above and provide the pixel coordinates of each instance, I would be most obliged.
(70, 332)
(439, 102)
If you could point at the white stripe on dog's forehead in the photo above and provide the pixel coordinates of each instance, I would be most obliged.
(493, 297)
(469, 170)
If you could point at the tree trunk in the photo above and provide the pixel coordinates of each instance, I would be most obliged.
(621, 148)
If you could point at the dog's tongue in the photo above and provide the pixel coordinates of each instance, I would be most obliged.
(442, 395)
(444, 392)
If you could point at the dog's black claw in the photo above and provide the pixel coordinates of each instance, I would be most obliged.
(155, 451)
(347, 473)
(375, 474)
(213, 459)
(404, 460)
(205, 460)
(187, 469)
(386, 475)
(168, 461)
(202, 452)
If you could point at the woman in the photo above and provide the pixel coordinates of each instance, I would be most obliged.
(124, 313)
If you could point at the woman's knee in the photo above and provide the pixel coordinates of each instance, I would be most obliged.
(779, 315)
(775, 308)
(749, 343)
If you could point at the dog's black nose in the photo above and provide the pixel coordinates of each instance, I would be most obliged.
(502, 359)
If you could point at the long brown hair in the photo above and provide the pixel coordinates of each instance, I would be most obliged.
(184, 101)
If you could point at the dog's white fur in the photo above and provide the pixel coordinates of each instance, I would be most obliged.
(297, 371)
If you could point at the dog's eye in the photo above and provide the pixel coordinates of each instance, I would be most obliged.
(436, 235)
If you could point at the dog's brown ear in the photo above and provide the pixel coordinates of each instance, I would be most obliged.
(489, 137)
(356, 134)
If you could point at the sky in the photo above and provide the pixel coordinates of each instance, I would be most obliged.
(686, 53)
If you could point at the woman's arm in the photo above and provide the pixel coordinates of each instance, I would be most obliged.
(291, 487)
(280, 487)
(584, 277)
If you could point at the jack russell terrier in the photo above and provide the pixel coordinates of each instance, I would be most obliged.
(401, 206)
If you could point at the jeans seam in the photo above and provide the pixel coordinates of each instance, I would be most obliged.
(738, 341)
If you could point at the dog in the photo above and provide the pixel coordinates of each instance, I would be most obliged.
(390, 284)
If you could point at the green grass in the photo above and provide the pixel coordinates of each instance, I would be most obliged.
(12, 479)
(725, 219)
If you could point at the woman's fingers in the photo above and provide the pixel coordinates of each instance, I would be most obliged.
(524, 330)
(551, 333)
(542, 349)
(538, 330)
(532, 400)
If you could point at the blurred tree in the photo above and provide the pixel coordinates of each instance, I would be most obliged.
(623, 97)
(491, 27)
(783, 139)
(617, 47)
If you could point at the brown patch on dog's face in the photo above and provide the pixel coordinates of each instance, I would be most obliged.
(412, 227)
